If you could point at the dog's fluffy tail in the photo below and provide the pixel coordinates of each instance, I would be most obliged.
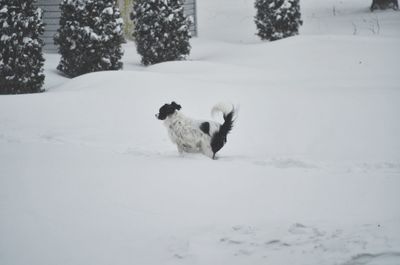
(219, 138)
(224, 108)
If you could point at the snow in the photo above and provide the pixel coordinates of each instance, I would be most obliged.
(27, 40)
(108, 11)
(5, 38)
(89, 31)
(310, 173)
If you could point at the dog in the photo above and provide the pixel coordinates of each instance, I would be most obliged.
(194, 136)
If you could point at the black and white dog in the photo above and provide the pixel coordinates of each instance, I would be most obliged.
(193, 136)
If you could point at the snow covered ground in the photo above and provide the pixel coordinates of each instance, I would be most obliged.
(310, 174)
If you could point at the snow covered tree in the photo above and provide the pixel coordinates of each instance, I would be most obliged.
(277, 19)
(161, 30)
(89, 37)
(383, 4)
(21, 56)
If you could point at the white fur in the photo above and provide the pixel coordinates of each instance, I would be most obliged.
(223, 108)
(187, 135)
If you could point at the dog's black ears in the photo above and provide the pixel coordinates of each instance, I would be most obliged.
(176, 106)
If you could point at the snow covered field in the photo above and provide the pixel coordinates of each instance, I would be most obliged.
(310, 174)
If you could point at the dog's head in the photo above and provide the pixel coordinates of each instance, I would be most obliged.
(167, 109)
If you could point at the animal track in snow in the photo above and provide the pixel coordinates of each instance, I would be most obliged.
(179, 249)
(387, 258)
(285, 163)
(306, 231)
(332, 245)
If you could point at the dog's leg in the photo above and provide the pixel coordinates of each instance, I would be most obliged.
(206, 150)
(373, 5)
(180, 150)
(395, 5)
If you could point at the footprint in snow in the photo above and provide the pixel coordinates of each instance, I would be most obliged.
(300, 229)
(387, 258)
(276, 243)
(179, 248)
(285, 163)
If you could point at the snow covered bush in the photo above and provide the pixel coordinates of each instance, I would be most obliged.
(161, 30)
(277, 19)
(89, 37)
(21, 56)
(383, 4)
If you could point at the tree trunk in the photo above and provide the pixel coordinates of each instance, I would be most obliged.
(125, 7)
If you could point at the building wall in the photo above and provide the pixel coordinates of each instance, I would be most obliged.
(52, 14)
(190, 10)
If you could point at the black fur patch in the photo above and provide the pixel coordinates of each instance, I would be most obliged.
(205, 127)
(219, 138)
(167, 109)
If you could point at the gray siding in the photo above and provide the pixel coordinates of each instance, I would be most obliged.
(190, 10)
(51, 16)
(52, 13)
